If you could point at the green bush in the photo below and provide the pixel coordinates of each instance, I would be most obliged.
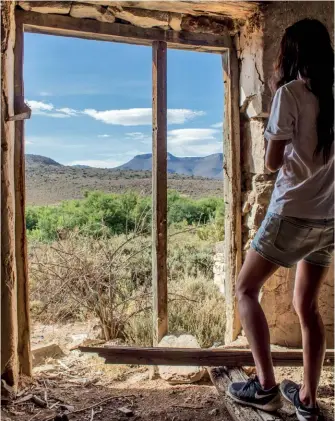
(100, 214)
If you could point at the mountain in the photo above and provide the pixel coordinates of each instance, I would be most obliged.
(38, 160)
(208, 166)
(81, 166)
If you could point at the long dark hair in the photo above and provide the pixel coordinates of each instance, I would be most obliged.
(306, 51)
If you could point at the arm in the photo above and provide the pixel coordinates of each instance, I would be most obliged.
(274, 155)
(280, 128)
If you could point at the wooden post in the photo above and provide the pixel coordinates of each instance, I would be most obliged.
(9, 360)
(232, 189)
(159, 191)
(23, 316)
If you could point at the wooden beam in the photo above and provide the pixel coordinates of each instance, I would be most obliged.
(202, 357)
(159, 191)
(232, 189)
(215, 9)
(9, 359)
(95, 30)
(23, 313)
(223, 376)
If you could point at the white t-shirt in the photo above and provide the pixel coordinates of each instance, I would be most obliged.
(305, 186)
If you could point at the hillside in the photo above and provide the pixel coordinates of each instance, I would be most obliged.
(39, 160)
(48, 182)
(209, 166)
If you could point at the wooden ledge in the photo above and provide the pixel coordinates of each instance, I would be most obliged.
(202, 357)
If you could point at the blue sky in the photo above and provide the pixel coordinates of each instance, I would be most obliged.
(91, 101)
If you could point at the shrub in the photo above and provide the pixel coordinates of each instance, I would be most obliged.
(100, 214)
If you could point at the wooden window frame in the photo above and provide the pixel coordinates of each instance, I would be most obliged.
(160, 40)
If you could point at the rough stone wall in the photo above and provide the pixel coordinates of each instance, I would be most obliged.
(257, 46)
(219, 267)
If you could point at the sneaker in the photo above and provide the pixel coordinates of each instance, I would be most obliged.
(251, 393)
(290, 391)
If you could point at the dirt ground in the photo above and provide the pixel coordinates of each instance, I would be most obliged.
(81, 387)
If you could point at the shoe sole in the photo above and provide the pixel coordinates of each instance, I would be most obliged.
(272, 406)
(299, 416)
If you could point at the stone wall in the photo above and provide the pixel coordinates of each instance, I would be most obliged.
(219, 267)
(257, 46)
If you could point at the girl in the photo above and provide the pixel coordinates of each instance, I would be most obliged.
(299, 226)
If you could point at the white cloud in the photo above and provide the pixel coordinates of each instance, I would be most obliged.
(44, 93)
(42, 108)
(180, 116)
(182, 136)
(140, 116)
(103, 135)
(194, 142)
(217, 125)
(54, 115)
(140, 137)
(127, 117)
(196, 149)
(136, 135)
(68, 111)
(96, 163)
(28, 142)
(37, 106)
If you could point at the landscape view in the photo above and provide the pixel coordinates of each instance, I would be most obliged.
(88, 187)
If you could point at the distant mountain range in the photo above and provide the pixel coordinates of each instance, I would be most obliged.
(208, 166)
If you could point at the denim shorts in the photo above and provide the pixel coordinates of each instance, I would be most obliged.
(285, 240)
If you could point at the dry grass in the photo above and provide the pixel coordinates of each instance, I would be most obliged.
(80, 277)
(56, 184)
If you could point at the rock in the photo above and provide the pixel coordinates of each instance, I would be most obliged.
(69, 408)
(246, 208)
(240, 343)
(219, 274)
(142, 18)
(181, 374)
(47, 351)
(92, 11)
(56, 7)
(126, 411)
(175, 21)
(256, 216)
(213, 412)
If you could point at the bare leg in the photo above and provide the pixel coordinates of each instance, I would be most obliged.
(308, 281)
(255, 271)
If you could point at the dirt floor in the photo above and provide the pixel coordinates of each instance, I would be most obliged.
(81, 387)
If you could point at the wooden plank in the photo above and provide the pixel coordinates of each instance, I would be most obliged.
(95, 30)
(232, 190)
(189, 356)
(286, 413)
(23, 313)
(9, 360)
(238, 375)
(159, 191)
(214, 8)
(222, 378)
